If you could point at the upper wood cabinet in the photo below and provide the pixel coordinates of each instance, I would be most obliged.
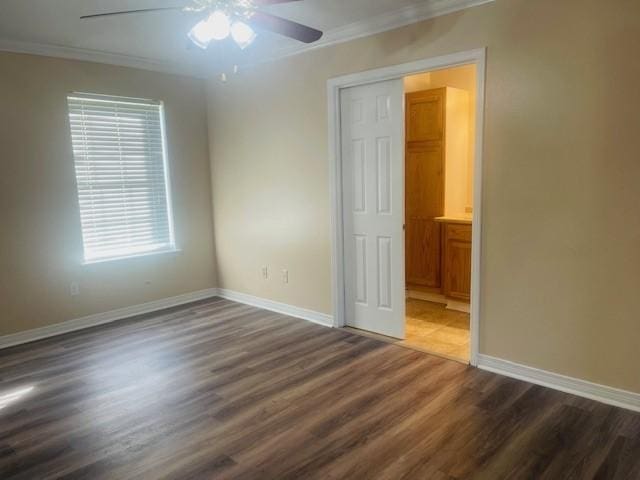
(425, 116)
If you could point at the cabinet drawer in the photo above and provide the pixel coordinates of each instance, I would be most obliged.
(458, 232)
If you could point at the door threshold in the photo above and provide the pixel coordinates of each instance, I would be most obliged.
(403, 344)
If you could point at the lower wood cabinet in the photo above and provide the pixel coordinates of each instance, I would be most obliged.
(456, 264)
(424, 253)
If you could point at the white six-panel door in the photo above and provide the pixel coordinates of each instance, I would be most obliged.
(372, 142)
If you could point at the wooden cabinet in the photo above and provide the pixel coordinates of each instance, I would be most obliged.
(436, 122)
(424, 202)
(456, 264)
(424, 185)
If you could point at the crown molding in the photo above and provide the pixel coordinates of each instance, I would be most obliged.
(98, 56)
(382, 23)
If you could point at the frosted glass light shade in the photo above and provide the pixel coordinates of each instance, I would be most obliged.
(219, 25)
(242, 34)
(216, 27)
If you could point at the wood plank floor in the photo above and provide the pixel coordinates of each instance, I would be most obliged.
(221, 390)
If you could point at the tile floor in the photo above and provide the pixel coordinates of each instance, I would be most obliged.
(433, 328)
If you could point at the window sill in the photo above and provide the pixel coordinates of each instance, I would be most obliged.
(128, 257)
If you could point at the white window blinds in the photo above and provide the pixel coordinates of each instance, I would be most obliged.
(122, 178)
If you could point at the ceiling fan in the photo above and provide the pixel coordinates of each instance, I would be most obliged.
(238, 19)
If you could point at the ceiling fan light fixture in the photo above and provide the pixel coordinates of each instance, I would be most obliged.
(216, 27)
(219, 25)
(242, 34)
(236, 18)
(201, 35)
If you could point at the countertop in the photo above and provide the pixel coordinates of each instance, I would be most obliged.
(465, 219)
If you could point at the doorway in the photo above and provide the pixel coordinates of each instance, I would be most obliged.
(368, 190)
(440, 119)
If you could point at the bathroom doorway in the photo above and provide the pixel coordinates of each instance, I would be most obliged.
(411, 274)
(440, 122)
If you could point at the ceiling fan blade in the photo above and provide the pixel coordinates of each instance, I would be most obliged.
(288, 28)
(129, 12)
(265, 3)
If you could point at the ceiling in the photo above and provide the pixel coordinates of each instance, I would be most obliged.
(158, 40)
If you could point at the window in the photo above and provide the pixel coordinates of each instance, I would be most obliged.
(122, 177)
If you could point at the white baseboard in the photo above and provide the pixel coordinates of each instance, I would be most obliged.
(286, 309)
(582, 388)
(102, 318)
(126, 312)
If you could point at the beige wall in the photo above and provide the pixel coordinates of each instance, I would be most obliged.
(41, 243)
(561, 233)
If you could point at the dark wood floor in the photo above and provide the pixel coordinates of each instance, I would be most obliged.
(221, 390)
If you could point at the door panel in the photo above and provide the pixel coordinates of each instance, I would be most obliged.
(373, 207)
(359, 176)
(361, 268)
(384, 176)
(385, 280)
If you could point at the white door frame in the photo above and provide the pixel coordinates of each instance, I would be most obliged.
(334, 85)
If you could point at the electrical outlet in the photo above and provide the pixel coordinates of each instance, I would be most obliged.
(285, 276)
(74, 289)
(265, 273)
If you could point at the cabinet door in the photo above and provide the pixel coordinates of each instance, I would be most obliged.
(424, 187)
(424, 182)
(424, 199)
(425, 116)
(423, 252)
(457, 264)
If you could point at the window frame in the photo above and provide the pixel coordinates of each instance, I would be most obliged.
(172, 247)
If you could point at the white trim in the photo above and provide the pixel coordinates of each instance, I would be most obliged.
(392, 72)
(575, 386)
(335, 189)
(284, 308)
(99, 56)
(334, 85)
(169, 251)
(476, 238)
(157, 305)
(381, 23)
(102, 318)
(167, 176)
